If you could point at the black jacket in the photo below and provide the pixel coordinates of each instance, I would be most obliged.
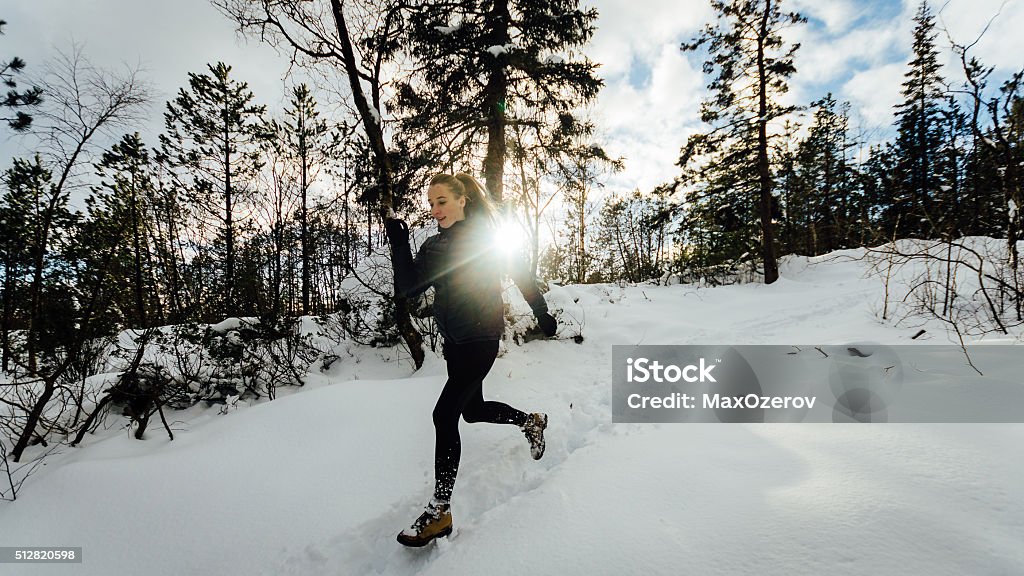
(461, 264)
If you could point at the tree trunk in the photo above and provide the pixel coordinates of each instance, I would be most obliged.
(494, 102)
(347, 240)
(581, 250)
(229, 232)
(771, 269)
(42, 228)
(10, 272)
(140, 302)
(302, 215)
(412, 338)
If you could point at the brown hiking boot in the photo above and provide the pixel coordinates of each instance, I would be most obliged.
(534, 431)
(436, 521)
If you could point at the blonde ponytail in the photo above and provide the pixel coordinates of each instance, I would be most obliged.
(477, 202)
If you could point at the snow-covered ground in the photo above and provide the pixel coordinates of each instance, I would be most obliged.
(320, 481)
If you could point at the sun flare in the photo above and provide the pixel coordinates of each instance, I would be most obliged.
(509, 237)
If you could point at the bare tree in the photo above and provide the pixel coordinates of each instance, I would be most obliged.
(320, 33)
(1002, 141)
(579, 170)
(83, 103)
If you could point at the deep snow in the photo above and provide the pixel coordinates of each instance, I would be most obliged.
(321, 480)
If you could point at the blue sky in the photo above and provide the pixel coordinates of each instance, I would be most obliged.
(855, 49)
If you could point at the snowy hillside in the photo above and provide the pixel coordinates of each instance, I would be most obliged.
(320, 481)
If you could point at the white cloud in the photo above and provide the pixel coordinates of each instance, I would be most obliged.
(1001, 46)
(631, 30)
(837, 15)
(877, 54)
(823, 58)
(649, 126)
(847, 49)
(874, 92)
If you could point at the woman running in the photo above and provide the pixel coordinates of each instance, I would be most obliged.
(459, 263)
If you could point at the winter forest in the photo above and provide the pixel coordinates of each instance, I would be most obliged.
(230, 255)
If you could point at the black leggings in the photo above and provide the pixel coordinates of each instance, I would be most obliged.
(468, 364)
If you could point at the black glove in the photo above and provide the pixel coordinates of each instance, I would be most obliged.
(547, 323)
(397, 231)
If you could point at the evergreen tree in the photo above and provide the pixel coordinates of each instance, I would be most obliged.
(997, 154)
(719, 227)
(40, 227)
(483, 65)
(752, 65)
(308, 140)
(118, 220)
(982, 189)
(83, 101)
(984, 206)
(14, 99)
(1008, 138)
(950, 166)
(831, 208)
(278, 205)
(794, 233)
(878, 186)
(26, 182)
(213, 131)
(920, 137)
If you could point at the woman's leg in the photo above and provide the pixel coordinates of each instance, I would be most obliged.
(462, 395)
(476, 409)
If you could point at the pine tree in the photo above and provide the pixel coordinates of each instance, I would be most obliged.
(878, 186)
(794, 234)
(832, 205)
(119, 219)
(40, 224)
(83, 102)
(982, 188)
(920, 136)
(752, 65)
(950, 171)
(15, 100)
(26, 183)
(997, 155)
(1013, 176)
(213, 132)
(483, 65)
(278, 205)
(719, 227)
(307, 139)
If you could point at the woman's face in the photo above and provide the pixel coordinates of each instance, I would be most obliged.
(445, 206)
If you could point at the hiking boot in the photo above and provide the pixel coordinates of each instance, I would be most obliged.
(436, 521)
(534, 431)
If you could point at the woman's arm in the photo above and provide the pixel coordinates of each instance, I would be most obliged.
(526, 283)
(528, 286)
(411, 277)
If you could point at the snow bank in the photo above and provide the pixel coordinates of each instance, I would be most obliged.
(321, 481)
